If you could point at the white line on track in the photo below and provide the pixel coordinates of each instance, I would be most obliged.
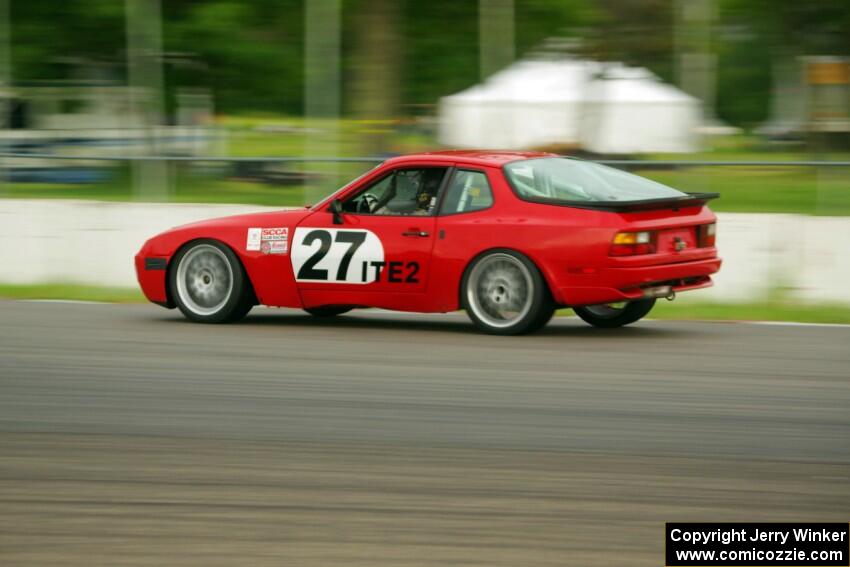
(797, 324)
(746, 322)
(71, 301)
(414, 314)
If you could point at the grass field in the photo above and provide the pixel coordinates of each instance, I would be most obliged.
(765, 190)
(71, 292)
(691, 308)
(802, 190)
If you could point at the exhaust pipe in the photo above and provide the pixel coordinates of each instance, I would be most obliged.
(659, 291)
(671, 296)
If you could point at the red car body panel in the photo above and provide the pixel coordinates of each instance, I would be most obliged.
(271, 275)
(569, 245)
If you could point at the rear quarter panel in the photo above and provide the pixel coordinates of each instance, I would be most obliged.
(562, 241)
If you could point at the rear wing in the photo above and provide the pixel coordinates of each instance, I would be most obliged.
(675, 203)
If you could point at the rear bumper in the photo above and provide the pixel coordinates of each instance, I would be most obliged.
(609, 285)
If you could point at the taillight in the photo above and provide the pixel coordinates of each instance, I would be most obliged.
(633, 244)
(706, 235)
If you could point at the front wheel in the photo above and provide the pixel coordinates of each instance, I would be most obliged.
(209, 284)
(504, 294)
(611, 315)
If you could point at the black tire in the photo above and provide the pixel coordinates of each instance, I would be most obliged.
(514, 278)
(210, 265)
(328, 310)
(608, 317)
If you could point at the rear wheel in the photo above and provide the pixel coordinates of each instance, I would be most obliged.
(328, 310)
(504, 294)
(209, 284)
(611, 315)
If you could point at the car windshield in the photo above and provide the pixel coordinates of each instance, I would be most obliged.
(342, 189)
(559, 180)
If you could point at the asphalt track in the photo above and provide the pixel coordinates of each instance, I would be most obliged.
(131, 437)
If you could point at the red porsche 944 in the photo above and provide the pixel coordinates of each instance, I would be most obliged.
(507, 236)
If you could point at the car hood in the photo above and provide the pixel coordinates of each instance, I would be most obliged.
(231, 230)
(279, 217)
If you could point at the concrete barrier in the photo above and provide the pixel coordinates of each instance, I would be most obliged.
(91, 242)
(86, 242)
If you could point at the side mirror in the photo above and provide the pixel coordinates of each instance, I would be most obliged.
(336, 209)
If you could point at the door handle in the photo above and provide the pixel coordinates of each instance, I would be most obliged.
(415, 233)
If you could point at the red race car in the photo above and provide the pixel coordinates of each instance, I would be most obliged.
(507, 236)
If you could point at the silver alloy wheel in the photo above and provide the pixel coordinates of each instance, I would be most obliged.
(500, 290)
(204, 279)
(606, 310)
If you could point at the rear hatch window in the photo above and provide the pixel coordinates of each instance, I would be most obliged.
(565, 181)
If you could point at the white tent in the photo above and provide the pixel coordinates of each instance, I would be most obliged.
(604, 108)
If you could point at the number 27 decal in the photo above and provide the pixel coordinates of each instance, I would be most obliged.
(346, 256)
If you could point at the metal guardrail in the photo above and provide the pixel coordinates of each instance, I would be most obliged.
(697, 163)
(290, 159)
(269, 159)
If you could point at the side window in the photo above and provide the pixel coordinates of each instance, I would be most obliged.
(403, 192)
(468, 191)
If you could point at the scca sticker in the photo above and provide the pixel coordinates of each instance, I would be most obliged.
(268, 240)
(254, 239)
(335, 255)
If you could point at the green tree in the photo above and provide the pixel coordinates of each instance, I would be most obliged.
(759, 36)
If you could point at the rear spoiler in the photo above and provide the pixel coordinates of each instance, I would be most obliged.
(675, 203)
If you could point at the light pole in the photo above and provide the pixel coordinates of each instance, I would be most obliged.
(145, 80)
(5, 82)
(322, 36)
(696, 62)
(496, 48)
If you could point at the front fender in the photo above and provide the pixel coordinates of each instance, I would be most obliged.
(270, 274)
